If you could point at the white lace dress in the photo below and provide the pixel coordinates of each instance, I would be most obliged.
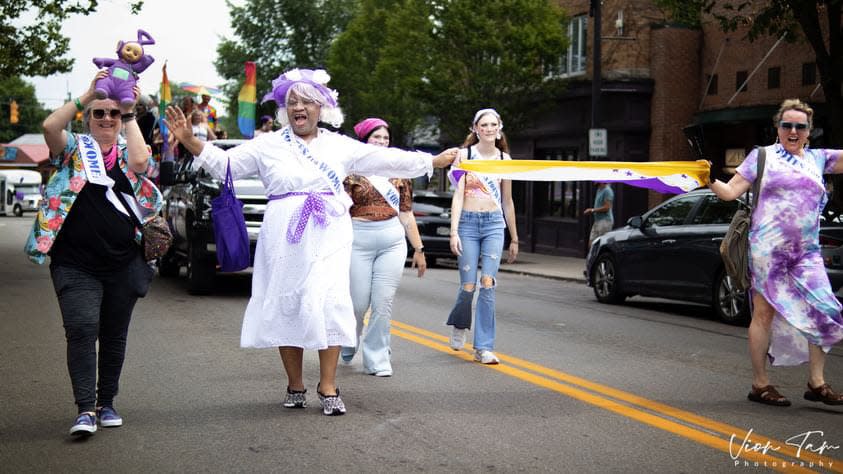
(300, 291)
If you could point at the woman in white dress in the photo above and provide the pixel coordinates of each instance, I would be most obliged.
(300, 285)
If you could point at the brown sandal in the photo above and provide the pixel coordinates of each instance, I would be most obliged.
(823, 394)
(768, 396)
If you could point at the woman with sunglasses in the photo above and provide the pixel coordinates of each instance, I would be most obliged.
(96, 263)
(381, 215)
(480, 211)
(795, 315)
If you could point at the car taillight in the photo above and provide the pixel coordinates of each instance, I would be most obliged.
(420, 213)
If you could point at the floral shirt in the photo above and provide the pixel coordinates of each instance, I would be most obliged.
(370, 204)
(63, 188)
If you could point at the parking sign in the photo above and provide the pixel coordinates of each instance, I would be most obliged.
(598, 142)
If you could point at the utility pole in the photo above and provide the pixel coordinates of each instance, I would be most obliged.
(595, 66)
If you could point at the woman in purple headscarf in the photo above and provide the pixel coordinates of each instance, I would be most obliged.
(300, 285)
(381, 214)
(795, 315)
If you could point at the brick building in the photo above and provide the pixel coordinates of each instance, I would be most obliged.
(664, 87)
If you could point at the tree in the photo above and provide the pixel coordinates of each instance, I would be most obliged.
(818, 22)
(37, 48)
(378, 65)
(278, 35)
(494, 56)
(30, 111)
(447, 59)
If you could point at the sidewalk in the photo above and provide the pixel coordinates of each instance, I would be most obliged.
(546, 266)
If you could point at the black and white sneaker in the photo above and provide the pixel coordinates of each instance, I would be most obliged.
(295, 398)
(332, 405)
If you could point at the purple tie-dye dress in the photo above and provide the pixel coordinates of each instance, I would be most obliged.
(785, 259)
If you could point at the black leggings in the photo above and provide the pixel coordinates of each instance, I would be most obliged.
(97, 307)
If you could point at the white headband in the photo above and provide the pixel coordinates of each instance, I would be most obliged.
(483, 112)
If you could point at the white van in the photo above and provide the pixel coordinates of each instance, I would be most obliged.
(20, 191)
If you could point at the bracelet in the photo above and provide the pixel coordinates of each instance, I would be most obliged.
(127, 117)
(79, 105)
(420, 250)
(513, 242)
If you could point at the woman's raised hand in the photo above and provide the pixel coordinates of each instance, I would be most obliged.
(177, 123)
(445, 158)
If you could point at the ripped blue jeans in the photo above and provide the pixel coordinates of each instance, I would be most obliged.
(481, 234)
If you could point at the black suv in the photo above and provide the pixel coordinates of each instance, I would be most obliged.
(187, 208)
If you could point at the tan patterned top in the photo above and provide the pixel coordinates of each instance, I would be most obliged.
(369, 204)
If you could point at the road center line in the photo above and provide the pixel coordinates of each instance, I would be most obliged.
(695, 427)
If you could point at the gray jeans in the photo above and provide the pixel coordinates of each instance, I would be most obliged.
(98, 307)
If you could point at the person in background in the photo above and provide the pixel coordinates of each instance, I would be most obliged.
(795, 315)
(145, 118)
(300, 295)
(96, 262)
(265, 125)
(209, 111)
(602, 212)
(201, 130)
(221, 133)
(480, 211)
(381, 216)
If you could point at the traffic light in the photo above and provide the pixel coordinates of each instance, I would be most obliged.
(13, 112)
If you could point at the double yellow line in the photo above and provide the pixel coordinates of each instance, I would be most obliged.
(720, 436)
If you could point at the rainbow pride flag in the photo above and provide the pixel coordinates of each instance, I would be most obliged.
(672, 177)
(165, 98)
(246, 103)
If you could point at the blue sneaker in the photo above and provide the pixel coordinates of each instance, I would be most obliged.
(108, 417)
(347, 354)
(85, 425)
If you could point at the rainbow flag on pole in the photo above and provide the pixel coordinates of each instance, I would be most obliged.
(674, 177)
(166, 97)
(246, 103)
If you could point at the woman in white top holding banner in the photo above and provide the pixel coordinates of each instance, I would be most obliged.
(300, 285)
(481, 209)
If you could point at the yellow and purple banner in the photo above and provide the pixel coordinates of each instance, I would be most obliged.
(674, 177)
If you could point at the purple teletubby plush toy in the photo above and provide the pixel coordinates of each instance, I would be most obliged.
(123, 71)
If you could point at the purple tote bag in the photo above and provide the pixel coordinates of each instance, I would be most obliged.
(230, 234)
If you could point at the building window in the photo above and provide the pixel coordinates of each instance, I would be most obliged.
(557, 199)
(809, 74)
(774, 78)
(711, 80)
(573, 61)
(740, 78)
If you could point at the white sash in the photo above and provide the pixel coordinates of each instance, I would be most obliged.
(805, 166)
(92, 162)
(331, 176)
(387, 190)
(491, 184)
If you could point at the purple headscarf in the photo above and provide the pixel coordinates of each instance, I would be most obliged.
(317, 79)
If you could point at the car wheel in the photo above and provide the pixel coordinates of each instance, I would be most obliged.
(730, 303)
(168, 265)
(605, 280)
(18, 210)
(201, 270)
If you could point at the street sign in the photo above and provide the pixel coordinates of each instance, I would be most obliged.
(598, 144)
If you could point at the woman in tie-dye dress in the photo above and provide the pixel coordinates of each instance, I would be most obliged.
(795, 315)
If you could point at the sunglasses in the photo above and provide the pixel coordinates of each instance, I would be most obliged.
(791, 125)
(99, 114)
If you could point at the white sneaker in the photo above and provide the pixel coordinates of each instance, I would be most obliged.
(457, 339)
(485, 357)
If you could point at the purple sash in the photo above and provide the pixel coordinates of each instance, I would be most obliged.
(313, 206)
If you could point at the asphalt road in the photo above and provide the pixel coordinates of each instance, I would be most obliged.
(651, 386)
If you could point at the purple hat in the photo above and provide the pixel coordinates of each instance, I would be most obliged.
(365, 127)
(317, 79)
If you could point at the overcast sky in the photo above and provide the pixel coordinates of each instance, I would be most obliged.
(186, 34)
